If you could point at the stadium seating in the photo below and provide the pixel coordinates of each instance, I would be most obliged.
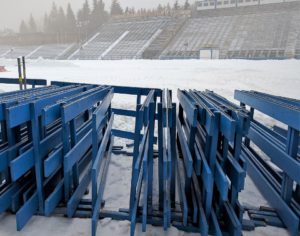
(257, 32)
(121, 40)
(132, 45)
(14, 52)
(48, 51)
(51, 51)
(93, 49)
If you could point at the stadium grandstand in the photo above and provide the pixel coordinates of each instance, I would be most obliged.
(225, 29)
(122, 40)
(251, 32)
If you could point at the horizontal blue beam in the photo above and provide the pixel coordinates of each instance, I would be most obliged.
(38, 82)
(279, 111)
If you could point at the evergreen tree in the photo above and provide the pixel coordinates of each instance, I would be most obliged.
(127, 11)
(80, 15)
(187, 5)
(61, 23)
(46, 23)
(168, 6)
(116, 8)
(176, 5)
(132, 11)
(32, 25)
(98, 14)
(95, 5)
(70, 20)
(168, 9)
(85, 12)
(23, 28)
(61, 19)
(159, 8)
(53, 23)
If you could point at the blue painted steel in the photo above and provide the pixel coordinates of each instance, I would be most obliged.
(41, 141)
(63, 141)
(33, 82)
(214, 161)
(27, 211)
(167, 155)
(278, 188)
(142, 172)
(281, 111)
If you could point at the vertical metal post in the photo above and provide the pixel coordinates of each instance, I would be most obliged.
(292, 150)
(160, 154)
(24, 72)
(37, 159)
(138, 124)
(173, 146)
(150, 152)
(20, 73)
(247, 140)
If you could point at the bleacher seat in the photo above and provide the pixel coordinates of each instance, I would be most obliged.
(136, 35)
(15, 52)
(268, 31)
(50, 51)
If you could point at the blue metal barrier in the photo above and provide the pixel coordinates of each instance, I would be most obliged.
(35, 147)
(210, 131)
(279, 187)
(101, 154)
(57, 140)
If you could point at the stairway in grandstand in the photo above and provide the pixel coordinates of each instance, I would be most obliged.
(155, 49)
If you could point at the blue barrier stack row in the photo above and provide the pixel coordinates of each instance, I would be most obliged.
(211, 172)
(56, 144)
(46, 147)
(277, 172)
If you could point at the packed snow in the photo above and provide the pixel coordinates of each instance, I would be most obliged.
(221, 76)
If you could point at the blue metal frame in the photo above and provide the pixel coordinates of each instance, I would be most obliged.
(277, 187)
(32, 82)
(210, 131)
(57, 140)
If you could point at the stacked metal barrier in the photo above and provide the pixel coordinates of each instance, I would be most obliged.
(210, 170)
(46, 147)
(56, 141)
(278, 176)
(143, 136)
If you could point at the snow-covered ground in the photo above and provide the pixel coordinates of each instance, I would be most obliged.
(222, 76)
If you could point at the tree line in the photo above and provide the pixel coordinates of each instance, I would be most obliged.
(61, 21)
(88, 18)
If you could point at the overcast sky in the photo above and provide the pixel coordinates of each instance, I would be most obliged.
(13, 11)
